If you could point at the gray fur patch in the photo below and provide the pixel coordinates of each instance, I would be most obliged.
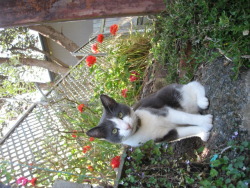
(159, 112)
(170, 136)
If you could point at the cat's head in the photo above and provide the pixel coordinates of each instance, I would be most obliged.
(117, 123)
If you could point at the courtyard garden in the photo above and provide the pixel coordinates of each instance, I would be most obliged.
(199, 40)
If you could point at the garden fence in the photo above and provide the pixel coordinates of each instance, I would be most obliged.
(23, 149)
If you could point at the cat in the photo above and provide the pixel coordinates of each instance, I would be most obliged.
(170, 114)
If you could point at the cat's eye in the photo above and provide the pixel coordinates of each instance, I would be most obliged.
(120, 115)
(114, 131)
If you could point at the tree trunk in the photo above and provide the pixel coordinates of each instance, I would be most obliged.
(47, 54)
(39, 63)
(59, 38)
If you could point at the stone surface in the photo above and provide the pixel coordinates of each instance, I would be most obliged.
(246, 110)
(65, 184)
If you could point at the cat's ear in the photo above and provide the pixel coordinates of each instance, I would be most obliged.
(96, 132)
(108, 103)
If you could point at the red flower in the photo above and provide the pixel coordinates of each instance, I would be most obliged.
(94, 48)
(113, 29)
(124, 93)
(33, 181)
(86, 148)
(90, 60)
(91, 139)
(134, 76)
(91, 168)
(115, 162)
(74, 135)
(80, 107)
(100, 38)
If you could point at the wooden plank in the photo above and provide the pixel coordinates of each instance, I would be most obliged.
(23, 12)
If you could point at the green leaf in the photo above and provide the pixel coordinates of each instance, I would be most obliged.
(245, 144)
(216, 163)
(213, 172)
(205, 183)
(189, 180)
(231, 186)
(228, 181)
(219, 182)
(200, 150)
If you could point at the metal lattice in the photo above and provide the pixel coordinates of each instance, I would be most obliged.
(23, 149)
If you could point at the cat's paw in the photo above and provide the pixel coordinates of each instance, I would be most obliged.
(208, 122)
(204, 136)
(203, 103)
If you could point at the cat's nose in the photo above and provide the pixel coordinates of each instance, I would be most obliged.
(129, 127)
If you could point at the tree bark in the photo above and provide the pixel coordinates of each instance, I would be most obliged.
(39, 63)
(59, 38)
(51, 57)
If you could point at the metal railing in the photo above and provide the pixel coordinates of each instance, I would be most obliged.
(23, 148)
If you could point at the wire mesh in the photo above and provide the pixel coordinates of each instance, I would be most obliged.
(25, 150)
(32, 146)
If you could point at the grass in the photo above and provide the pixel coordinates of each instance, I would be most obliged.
(126, 54)
(197, 31)
(188, 34)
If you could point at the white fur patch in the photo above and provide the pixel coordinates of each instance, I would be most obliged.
(155, 127)
(193, 97)
(152, 127)
(182, 118)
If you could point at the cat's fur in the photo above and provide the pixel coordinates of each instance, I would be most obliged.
(170, 114)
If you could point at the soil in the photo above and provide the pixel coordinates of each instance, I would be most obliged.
(229, 104)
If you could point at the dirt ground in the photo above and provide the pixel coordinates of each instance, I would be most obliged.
(229, 104)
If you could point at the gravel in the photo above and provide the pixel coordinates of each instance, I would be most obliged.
(229, 104)
(229, 101)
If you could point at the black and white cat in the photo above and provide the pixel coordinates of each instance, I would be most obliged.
(170, 114)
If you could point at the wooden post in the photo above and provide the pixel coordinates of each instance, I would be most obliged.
(29, 12)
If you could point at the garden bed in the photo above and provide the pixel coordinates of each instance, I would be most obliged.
(187, 163)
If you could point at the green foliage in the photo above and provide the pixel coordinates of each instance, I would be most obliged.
(213, 28)
(15, 43)
(5, 173)
(11, 84)
(125, 54)
(73, 139)
(10, 89)
(149, 166)
(18, 41)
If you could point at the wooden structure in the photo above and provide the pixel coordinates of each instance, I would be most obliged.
(28, 12)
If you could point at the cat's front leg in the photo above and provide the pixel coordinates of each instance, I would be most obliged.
(182, 118)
